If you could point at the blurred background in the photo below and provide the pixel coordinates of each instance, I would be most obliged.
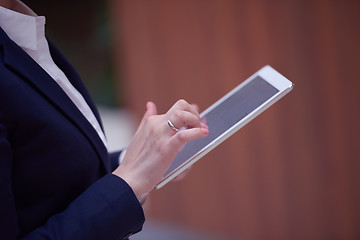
(292, 173)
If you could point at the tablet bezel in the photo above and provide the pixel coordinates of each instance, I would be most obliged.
(268, 74)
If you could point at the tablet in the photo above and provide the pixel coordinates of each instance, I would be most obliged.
(229, 114)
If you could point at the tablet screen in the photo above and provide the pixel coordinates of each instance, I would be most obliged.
(225, 115)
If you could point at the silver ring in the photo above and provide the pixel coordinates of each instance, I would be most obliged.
(171, 125)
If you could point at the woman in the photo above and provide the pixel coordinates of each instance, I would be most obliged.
(57, 180)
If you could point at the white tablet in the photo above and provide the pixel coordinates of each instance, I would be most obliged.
(229, 114)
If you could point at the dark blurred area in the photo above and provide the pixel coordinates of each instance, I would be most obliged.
(292, 173)
(81, 29)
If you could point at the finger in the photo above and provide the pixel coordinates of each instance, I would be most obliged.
(203, 125)
(181, 118)
(184, 136)
(183, 105)
(196, 107)
(150, 109)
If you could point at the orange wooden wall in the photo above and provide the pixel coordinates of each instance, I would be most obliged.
(292, 173)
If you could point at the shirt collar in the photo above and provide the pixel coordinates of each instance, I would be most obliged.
(23, 29)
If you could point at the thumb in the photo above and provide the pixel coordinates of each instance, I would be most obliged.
(150, 109)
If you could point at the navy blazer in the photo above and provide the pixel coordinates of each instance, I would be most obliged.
(55, 172)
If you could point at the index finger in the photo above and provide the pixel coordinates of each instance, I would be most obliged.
(184, 105)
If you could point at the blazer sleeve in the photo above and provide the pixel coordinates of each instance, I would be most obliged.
(108, 209)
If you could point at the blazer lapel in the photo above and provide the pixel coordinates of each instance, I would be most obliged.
(22, 63)
(74, 78)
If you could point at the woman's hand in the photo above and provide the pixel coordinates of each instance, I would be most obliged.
(155, 145)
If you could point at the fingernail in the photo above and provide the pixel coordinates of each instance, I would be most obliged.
(205, 131)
